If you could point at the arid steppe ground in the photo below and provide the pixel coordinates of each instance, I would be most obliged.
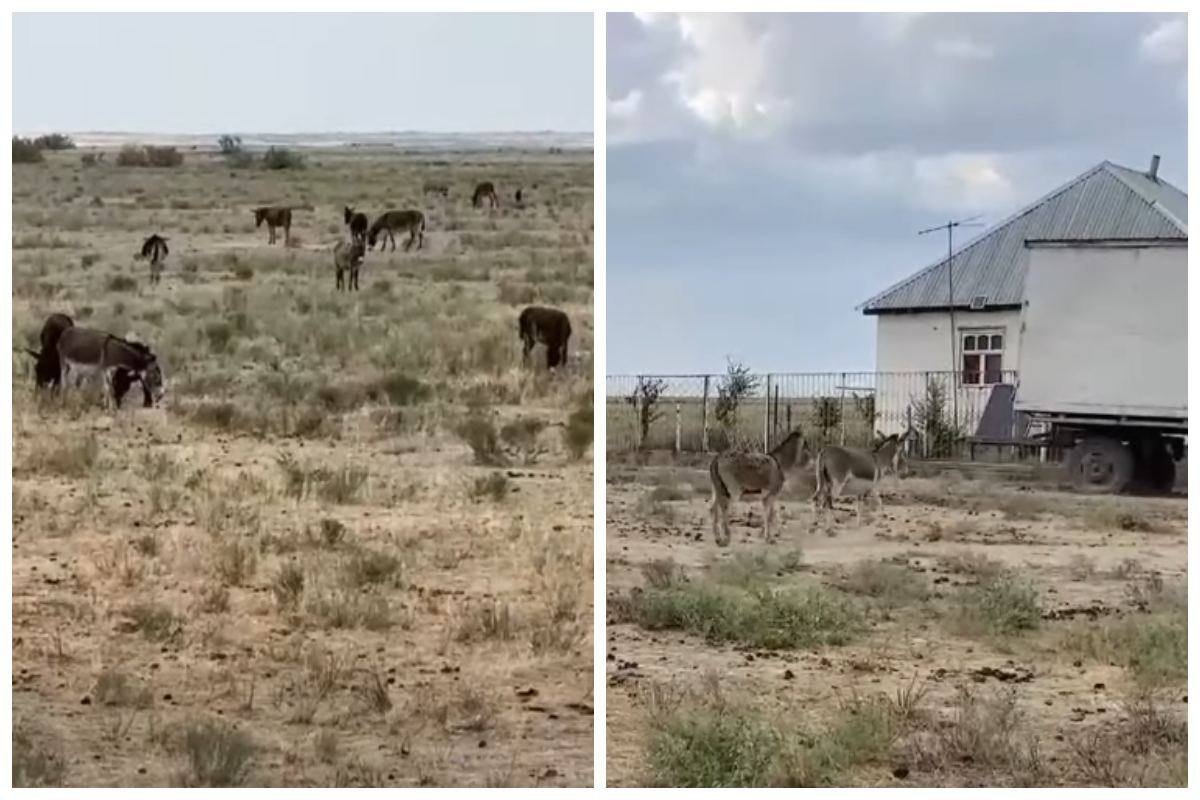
(973, 633)
(352, 547)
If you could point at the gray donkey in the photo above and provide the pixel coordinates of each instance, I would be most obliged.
(86, 353)
(734, 474)
(853, 471)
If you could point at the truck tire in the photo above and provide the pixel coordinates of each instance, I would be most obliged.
(1100, 465)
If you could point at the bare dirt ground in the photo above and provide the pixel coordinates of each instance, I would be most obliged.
(353, 545)
(968, 634)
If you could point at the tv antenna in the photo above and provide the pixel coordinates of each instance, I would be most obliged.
(948, 227)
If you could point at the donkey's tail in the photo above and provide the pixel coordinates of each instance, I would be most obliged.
(719, 487)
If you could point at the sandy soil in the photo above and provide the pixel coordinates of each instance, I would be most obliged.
(1083, 567)
(282, 576)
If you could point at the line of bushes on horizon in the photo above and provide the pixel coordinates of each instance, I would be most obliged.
(29, 151)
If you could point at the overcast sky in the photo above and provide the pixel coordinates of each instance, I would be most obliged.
(302, 73)
(768, 173)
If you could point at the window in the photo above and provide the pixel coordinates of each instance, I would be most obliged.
(982, 356)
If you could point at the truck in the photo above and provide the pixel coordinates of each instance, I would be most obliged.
(1102, 366)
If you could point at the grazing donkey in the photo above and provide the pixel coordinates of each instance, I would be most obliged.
(548, 326)
(348, 257)
(47, 369)
(86, 353)
(154, 250)
(392, 221)
(482, 190)
(357, 223)
(275, 217)
(855, 471)
(734, 474)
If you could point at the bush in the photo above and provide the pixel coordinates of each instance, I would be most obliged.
(478, 430)
(282, 158)
(577, 435)
(769, 619)
(54, 141)
(26, 152)
(229, 144)
(163, 156)
(1002, 604)
(496, 486)
(121, 283)
(133, 155)
(218, 755)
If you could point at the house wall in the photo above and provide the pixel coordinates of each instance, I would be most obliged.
(920, 342)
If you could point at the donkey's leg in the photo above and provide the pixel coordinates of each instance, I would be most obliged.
(769, 516)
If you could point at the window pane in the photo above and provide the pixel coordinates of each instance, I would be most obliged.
(970, 374)
(997, 342)
(969, 343)
(991, 368)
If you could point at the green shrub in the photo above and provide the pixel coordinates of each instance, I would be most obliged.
(54, 141)
(26, 152)
(282, 158)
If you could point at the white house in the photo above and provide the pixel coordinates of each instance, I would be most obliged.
(913, 317)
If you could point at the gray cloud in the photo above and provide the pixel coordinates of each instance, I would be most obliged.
(808, 149)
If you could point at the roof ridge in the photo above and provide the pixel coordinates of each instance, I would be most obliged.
(1117, 170)
(987, 233)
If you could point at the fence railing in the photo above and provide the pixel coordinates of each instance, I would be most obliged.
(693, 412)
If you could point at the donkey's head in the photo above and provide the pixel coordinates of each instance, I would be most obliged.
(348, 214)
(259, 215)
(793, 452)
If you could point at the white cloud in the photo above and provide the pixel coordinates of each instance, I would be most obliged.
(626, 106)
(722, 76)
(1167, 43)
(964, 48)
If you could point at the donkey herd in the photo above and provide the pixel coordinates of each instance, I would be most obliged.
(840, 471)
(71, 354)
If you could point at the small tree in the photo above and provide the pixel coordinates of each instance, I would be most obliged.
(827, 416)
(282, 158)
(735, 385)
(230, 144)
(26, 152)
(940, 433)
(54, 141)
(644, 401)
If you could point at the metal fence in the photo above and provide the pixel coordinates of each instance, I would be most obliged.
(688, 413)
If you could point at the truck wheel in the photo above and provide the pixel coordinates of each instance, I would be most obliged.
(1100, 465)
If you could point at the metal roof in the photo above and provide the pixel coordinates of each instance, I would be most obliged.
(1106, 202)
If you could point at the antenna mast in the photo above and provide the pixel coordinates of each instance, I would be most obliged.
(949, 227)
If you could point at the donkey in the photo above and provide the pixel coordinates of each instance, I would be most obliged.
(485, 190)
(86, 353)
(47, 368)
(154, 250)
(348, 257)
(855, 471)
(390, 222)
(548, 326)
(357, 223)
(275, 217)
(734, 474)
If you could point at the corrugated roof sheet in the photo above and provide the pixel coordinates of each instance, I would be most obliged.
(1106, 202)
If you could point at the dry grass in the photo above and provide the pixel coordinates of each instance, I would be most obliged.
(303, 496)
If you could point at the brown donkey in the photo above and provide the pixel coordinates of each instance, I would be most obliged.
(388, 223)
(485, 190)
(734, 474)
(275, 217)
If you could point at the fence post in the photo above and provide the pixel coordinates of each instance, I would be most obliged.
(842, 411)
(704, 418)
(678, 427)
(767, 417)
(775, 415)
